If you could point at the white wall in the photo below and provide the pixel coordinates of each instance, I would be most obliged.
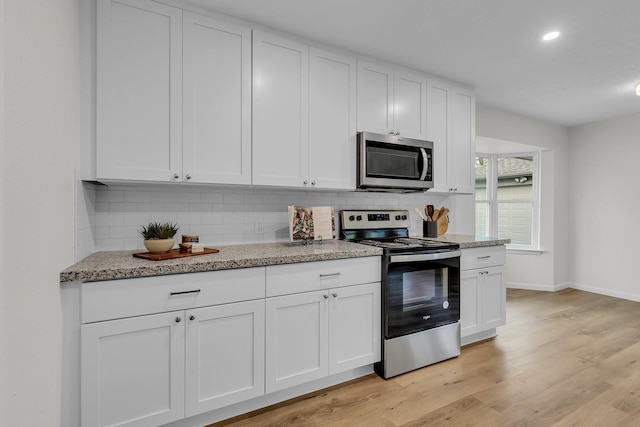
(550, 269)
(40, 105)
(605, 206)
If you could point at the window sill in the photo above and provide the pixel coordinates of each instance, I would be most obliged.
(514, 251)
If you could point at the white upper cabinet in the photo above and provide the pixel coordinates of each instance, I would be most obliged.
(280, 111)
(139, 90)
(173, 95)
(304, 109)
(463, 141)
(217, 101)
(332, 120)
(391, 100)
(451, 127)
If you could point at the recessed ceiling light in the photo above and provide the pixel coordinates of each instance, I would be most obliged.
(550, 36)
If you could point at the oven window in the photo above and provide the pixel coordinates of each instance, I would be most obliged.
(424, 288)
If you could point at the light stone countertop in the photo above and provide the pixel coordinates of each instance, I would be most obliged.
(467, 241)
(121, 264)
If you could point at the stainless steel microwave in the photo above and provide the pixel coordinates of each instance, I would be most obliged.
(394, 163)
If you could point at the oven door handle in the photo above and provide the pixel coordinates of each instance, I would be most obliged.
(425, 164)
(423, 257)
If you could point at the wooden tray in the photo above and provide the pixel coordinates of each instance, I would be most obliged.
(173, 253)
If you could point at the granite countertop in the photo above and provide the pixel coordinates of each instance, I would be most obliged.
(467, 241)
(121, 264)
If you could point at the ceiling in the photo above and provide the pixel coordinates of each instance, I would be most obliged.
(587, 74)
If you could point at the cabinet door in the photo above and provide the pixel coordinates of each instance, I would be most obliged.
(354, 327)
(462, 152)
(280, 111)
(493, 297)
(470, 302)
(297, 339)
(332, 120)
(139, 91)
(438, 130)
(375, 97)
(133, 371)
(224, 355)
(410, 104)
(217, 101)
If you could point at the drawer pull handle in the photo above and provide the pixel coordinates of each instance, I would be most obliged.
(325, 296)
(335, 294)
(484, 257)
(195, 291)
(192, 317)
(329, 275)
(178, 319)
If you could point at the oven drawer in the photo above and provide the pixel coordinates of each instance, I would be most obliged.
(115, 299)
(313, 276)
(487, 256)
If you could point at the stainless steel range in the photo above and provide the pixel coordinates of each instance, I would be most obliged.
(420, 290)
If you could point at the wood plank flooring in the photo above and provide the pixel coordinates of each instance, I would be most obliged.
(568, 358)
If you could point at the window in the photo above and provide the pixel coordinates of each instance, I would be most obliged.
(507, 198)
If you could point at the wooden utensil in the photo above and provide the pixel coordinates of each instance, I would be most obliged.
(435, 215)
(429, 211)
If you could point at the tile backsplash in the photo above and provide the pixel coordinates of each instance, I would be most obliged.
(109, 217)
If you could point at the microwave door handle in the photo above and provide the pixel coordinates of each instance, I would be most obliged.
(425, 164)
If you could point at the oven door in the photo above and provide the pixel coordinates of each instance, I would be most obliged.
(421, 291)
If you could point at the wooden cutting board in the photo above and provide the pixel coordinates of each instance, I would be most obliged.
(173, 253)
(443, 225)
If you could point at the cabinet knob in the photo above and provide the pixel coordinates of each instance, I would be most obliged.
(188, 176)
(397, 133)
(313, 183)
(192, 317)
(325, 296)
(335, 294)
(305, 182)
(176, 176)
(178, 319)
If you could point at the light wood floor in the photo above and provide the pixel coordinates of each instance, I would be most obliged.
(568, 358)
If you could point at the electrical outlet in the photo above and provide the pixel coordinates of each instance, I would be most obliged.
(258, 229)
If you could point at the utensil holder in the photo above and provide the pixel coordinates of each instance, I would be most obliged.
(430, 228)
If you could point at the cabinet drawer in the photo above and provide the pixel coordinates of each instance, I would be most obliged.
(487, 256)
(311, 276)
(134, 297)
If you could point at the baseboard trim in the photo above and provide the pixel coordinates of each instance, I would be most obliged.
(578, 286)
(607, 292)
(538, 287)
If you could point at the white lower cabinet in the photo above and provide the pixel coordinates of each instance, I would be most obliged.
(322, 318)
(152, 368)
(132, 371)
(482, 293)
(156, 350)
(224, 355)
(314, 334)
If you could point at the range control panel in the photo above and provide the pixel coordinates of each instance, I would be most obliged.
(363, 220)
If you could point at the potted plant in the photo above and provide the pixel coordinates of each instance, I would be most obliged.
(158, 237)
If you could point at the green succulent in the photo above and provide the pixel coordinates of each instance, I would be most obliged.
(157, 230)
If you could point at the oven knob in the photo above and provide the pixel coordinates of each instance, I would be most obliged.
(404, 217)
(351, 218)
(397, 217)
(359, 217)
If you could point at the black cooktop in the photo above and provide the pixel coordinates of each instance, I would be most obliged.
(389, 230)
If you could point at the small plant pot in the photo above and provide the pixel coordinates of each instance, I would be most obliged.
(158, 246)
